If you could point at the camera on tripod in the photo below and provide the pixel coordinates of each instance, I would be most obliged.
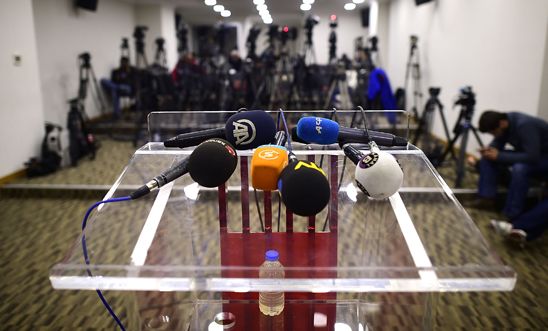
(374, 42)
(466, 97)
(160, 43)
(311, 21)
(414, 40)
(434, 91)
(85, 59)
(139, 32)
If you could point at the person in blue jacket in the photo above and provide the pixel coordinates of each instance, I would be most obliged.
(528, 136)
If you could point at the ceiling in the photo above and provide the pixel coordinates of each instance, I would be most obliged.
(197, 11)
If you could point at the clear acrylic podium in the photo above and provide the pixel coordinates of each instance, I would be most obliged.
(191, 255)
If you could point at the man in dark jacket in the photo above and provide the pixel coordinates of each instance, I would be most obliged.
(121, 83)
(528, 136)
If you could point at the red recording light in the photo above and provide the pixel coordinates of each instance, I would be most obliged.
(286, 29)
(333, 17)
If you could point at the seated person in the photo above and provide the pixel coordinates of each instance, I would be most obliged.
(529, 137)
(121, 83)
(527, 226)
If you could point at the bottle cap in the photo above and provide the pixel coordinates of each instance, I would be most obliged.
(272, 255)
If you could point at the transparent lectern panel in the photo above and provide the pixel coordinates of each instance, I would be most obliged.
(190, 238)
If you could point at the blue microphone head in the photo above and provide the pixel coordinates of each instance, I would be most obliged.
(318, 130)
(250, 129)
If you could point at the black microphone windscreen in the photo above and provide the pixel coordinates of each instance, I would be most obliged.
(304, 188)
(212, 162)
(250, 129)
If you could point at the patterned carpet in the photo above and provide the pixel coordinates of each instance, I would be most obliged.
(37, 229)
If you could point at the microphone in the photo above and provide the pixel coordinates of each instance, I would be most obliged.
(244, 130)
(194, 138)
(378, 174)
(304, 187)
(210, 164)
(325, 131)
(267, 164)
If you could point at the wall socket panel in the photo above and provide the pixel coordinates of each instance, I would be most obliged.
(17, 60)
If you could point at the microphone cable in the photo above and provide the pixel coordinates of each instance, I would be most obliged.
(345, 158)
(86, 257)
(289, 150)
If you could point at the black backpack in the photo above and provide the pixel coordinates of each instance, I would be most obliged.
(81, 142)
(50, 156)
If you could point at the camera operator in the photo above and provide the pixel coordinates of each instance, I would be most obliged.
(528, 136)
(121, 83)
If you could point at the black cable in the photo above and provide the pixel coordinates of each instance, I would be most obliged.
(258, 209)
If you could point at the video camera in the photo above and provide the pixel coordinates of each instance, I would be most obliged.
(85, 59)
(413, 39)
(125, 43)
(466, 97)
(139, 32)
(311, 21)
(374, 42)
(160, 43)
(434, 91)
(333, 21)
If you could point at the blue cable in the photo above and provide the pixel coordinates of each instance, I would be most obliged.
(86, 258)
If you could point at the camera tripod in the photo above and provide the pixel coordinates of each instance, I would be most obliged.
(309, 54)
(284, 89)
(461, 130)
(85, 73)
(374, 51)
(413, 71)
(140, 55)
(339, 82)
(425, 122)
(124, 48)
(160, 56)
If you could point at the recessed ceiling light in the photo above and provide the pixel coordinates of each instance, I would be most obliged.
(226, 13)
(220, 8)
(267, 21)
(358, 1)
(310, 2)
(306, 6)
(262, 7)
(350, 6)
(210, 2)
(258, 2)
(264, 12)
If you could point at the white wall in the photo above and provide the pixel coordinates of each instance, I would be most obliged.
(349, 28)
(543, 100)
(496, 46)
(169, 32)
(20, 96)
(63, 32)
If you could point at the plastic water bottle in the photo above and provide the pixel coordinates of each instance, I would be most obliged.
(271, 303)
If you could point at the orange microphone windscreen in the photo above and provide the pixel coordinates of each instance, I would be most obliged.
(266, 165)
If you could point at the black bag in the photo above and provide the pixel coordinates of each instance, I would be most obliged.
(81, 142)
(51, 154)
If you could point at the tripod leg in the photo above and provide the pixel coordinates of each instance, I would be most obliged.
(448, 149)
(420, 128)
(462, 157)
(445, 128)
(477, 136)
(330, 94)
